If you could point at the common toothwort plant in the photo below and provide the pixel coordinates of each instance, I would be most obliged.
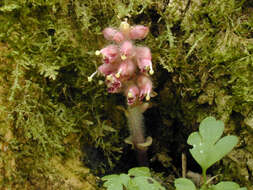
(127, 69)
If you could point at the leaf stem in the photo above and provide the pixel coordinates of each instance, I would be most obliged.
(204, 179)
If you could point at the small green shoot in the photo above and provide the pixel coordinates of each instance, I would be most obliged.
(137, 179)
(208, 148)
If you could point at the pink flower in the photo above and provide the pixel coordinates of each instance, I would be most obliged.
(126, 70)
(110, 53)
(143, 57)
(113, 84)
(107, 69)
(132, 93)
(143, 53)
(126, 50)
(113, 35)
(145, 85)
(138, 32)
(118, 37)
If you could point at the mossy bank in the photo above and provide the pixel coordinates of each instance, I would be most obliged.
(59, 131)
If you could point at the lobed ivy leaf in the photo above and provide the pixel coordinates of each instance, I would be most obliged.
(184, 184)
(227, 185)
(207, 148)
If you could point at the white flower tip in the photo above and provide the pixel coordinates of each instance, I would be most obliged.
(130, 95)
(109, 77)
(117, 75)
(148, 97)
(100, 82)
(123, 57)
(151, 72)
(97, 53)
(89, 79)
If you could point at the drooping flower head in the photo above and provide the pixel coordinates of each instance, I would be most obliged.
(126, 66)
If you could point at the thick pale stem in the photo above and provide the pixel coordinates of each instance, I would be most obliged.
(136, 127)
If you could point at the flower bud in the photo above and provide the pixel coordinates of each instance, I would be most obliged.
(113, 35)
(132, 93)
(143, 56)
(145, 86)
(109, 33)
(126, 69)
(138, 32)
(143, 53)
(113, 84)
(107, 69)
(110, 53)
(126, 50)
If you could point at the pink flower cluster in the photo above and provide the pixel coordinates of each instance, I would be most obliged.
(126, 66)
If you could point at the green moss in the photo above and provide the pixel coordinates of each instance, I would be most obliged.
(202, 52)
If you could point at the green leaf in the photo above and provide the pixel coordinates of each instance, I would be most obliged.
(144, 183)
(124, 179)
(184, 184)
(116, 182)
(227, 185)
(211, 130)
(139, 171)
(207, 148)
(113, 186)
(110, 177)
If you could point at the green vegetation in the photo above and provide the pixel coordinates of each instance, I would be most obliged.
(50, 114)
(207, 149)
(136, 179)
